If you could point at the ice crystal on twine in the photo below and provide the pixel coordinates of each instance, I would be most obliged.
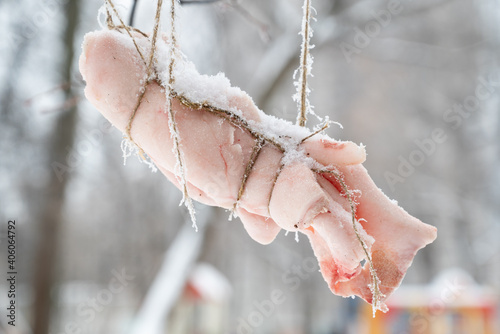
(180, 168)
(129, 148)
(296, 235)
(263, 133)
(301, 96)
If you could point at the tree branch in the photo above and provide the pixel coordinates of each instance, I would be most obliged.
(132, 13)
(196, 2)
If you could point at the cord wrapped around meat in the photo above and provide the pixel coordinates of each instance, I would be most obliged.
(273, 174)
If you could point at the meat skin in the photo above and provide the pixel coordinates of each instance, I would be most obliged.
(291, 196)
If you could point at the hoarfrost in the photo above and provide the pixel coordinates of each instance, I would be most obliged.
(129, 149)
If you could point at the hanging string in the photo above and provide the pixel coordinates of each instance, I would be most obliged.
(301, 97)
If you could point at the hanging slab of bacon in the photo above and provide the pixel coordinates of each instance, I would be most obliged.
(274, 174)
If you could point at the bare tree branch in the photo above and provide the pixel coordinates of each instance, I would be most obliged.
(132, 13)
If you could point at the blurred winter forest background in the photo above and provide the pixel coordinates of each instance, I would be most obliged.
(105, 248)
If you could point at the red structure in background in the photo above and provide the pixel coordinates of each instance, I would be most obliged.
(204, 305)
(453, 304)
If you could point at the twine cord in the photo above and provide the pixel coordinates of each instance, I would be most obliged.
(302, 118)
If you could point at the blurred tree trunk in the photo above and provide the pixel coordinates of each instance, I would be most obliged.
(8, 95)
(51, 214)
